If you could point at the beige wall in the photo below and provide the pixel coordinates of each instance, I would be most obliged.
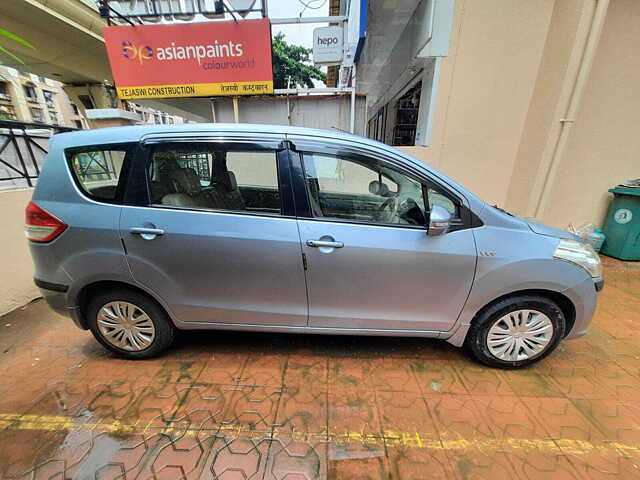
(16, 275)
(504, 90)
(570, 18)
(485, 89)
(604, 147)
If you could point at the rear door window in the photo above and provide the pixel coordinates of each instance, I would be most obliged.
(99, 171)
(213, 177)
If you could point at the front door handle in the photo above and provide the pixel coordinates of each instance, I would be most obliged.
(146, 232)
(324, 243)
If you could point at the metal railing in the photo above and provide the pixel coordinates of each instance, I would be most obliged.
(23, 147)
(152, 11)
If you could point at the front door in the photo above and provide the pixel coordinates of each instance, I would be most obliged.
(371, 264)
(212, 255)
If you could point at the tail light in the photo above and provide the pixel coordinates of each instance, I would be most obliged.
(41, 226)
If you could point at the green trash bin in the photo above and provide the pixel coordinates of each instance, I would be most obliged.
(622, 227)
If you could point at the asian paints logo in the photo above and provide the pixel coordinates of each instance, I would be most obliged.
(130, 51)
(214, 50)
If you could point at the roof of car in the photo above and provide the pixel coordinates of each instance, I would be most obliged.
(137, 132)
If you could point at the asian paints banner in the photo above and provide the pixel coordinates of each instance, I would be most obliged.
(191, 60)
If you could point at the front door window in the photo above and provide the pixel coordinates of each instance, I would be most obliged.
(357, 190)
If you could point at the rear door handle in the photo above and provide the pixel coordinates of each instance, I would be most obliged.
(152, 231)
(146, 233)
(324, 243)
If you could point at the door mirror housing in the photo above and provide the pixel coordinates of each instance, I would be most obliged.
(439, 221)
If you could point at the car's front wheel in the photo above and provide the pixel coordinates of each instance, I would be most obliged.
(516, 331)
(129, 323)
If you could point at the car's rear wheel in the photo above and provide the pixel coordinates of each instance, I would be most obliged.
(516, 331)
(129, 323)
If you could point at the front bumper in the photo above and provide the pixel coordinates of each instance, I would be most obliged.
(585, 299)
(599, 284)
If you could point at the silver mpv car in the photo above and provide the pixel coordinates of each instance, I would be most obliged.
(137, 232)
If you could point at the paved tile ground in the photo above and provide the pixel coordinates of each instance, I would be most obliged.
(257, 406)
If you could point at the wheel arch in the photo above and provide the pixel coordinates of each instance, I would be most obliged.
(563, 302)
(566, 305)
(89, 290)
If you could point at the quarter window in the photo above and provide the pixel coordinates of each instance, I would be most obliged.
(362, 190)
(437, 197)
(98, 171)
(214, 178)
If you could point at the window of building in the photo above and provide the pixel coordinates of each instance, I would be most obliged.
(37, 115)
(53, 116)
(97, 172)
(407, 106)
(364, 191)
(77, 123)
(75, 109)
(30, 92)
(377, 125)
(49, 98)
(157, 119)
(208, 177)
(4, 91)
(86, 101)
(7, 112)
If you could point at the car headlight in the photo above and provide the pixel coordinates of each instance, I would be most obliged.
(581, 254)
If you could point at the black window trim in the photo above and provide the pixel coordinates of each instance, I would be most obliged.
(122, 185)
(301, 146)
(138, 186)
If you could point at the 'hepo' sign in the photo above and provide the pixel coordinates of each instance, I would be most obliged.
(327, 45)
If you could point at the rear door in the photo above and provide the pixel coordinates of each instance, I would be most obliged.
(216, 258)
(371, 264)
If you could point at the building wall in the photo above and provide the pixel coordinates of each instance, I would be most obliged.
(313, 111)
(58, 112)
(502, 96)
(16, 276)
(604, 145)
(151, 116)
(569, 20)
(485, 89)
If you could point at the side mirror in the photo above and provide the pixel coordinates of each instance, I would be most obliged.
(439, 221)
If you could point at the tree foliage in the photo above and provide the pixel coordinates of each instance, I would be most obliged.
(293, 61)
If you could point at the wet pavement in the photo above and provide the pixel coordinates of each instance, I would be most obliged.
(233, 405)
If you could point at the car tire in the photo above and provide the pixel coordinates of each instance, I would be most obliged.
(512, 328)
(151, 334)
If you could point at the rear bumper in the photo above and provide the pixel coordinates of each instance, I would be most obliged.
(56, 297)
(49, 286)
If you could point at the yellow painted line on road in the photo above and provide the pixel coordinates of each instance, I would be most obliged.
(388, 438)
